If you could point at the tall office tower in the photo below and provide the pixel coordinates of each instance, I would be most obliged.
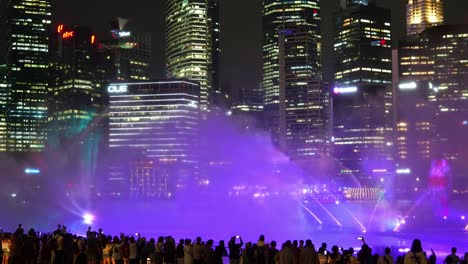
(422, 14)
(27, 66)
(153, 124)
(218, 94)
(278, 14)
(448, 46)
(362, 93)
(189, 43)
(75, 102)
(436, 58)
(125, 55)
(303, 98)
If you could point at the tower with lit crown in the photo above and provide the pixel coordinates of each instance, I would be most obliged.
(422, 14)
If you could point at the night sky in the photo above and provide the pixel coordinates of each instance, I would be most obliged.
(241, 33)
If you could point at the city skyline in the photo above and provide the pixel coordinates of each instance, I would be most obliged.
(241, 60)
(296, 99)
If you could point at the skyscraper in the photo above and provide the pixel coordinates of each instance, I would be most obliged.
(448, 47)
(27, 67)
(125, 55)
(277, 15)
(304, 98)
(422, 14)
(189, 44)
(75, 102)
(218, 93)
(362, 92)
(153, 124)
(433, 64)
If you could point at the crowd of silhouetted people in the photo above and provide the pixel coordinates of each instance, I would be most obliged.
(62, 247)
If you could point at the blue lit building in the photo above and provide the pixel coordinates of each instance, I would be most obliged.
(153, 126)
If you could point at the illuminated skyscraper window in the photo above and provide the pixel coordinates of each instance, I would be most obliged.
(304, 99)
(189, 44)
(75, 101)
(27, 66)
(362, 104)
(153, 122)
(278, 14)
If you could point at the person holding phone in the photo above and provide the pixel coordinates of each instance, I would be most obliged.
(235, 249)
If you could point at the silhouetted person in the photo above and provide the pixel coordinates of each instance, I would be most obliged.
(188, 252)
(416, 254)
(235, 250)
(197, 251)
(208, 253)
(308, 254)
(386, 258)
(180, 252)
(452, 258)
(220, 252)
(273, 253)
(261, 251)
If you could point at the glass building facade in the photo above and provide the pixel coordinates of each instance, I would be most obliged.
(422, 14)
(157, 122)
(434, 62)
(362, 94)
(189, 43)
(277, 15)
(448, 46)
(28, 24)
(75, 102)
(304, 99)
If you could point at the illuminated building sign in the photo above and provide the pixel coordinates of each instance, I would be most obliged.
(68, 34)
(403, 171)
(123, 34)
(117, 88)
(93, 39)
(408, 86)
(32, 171)
(59, 28)
(345, 90)
(120, 34)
